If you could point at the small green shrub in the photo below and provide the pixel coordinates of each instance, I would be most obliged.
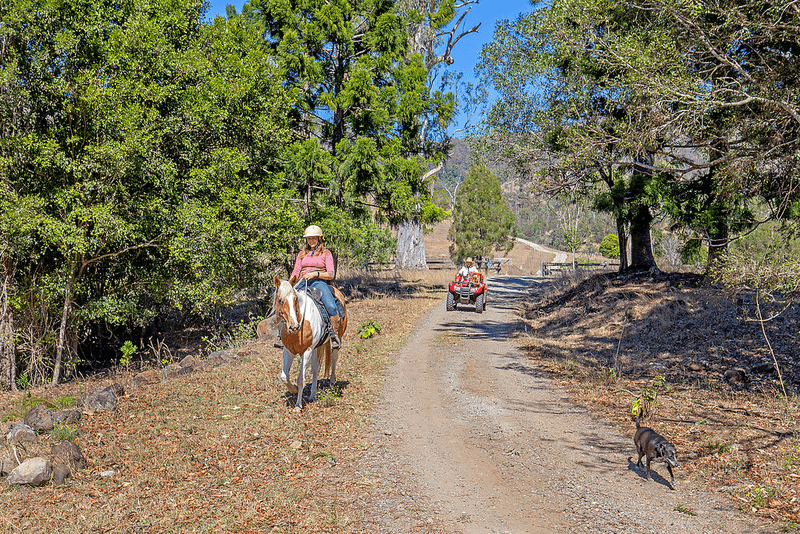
(128, 349)
(791, 458)
(64, 432)
(609, 246)
(694, 253)
(761, 497)
(23, 381)
(369, 329)
(645, 405)
(327, 398)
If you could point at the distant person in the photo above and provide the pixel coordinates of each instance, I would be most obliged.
(467, 268)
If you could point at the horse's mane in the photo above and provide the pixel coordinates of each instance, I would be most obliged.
(283, 291)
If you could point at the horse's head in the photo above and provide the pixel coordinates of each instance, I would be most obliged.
(287, 305)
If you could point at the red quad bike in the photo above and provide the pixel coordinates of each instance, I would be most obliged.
(467, 290)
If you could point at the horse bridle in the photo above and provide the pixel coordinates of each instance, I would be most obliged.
(302, 317)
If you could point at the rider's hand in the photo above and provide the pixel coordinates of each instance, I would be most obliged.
(310, 276)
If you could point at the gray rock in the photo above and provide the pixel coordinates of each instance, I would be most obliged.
(60, 474)
(35, 471)
(69, 454)
(225, 356)
(7, 465)
(67, 416)
(189, 362)
(20, 433)
(100, 400)
(174, 370)
(117, 389)
(147, 377)
(40, 419)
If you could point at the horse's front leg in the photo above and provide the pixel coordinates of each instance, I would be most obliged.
(301, 376)
(288, 358)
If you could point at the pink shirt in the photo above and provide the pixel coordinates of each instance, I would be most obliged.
(307, 263)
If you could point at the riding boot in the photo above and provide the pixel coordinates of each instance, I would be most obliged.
(278, 343)
(335, 344)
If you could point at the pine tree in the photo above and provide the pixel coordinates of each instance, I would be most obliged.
(482, 221)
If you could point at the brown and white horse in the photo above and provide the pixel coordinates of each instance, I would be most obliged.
(302, 330)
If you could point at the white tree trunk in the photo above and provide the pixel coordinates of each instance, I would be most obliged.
(8, 362)
(410, 247)
(62, 331)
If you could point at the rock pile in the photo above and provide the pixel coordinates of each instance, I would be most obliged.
(27, 460)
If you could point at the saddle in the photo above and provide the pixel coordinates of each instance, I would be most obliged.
(316, 298)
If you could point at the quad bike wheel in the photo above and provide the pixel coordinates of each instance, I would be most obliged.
(451, 302)
(479, 304)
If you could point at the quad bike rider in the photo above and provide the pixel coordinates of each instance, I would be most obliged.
(468, 288)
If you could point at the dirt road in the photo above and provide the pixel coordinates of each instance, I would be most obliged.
(488, 445)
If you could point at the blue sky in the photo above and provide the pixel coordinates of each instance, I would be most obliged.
(465, 53)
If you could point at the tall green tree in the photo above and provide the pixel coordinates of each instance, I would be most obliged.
(482, 221)
(137, 164)
(567, 120)
(696, 101)
(434, 28)
(368, 122)
(343, 64)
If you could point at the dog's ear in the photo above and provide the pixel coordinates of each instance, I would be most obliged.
(660, 452)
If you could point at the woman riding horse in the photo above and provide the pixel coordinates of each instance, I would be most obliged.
(314, 264)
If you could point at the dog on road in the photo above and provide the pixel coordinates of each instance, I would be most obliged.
(653, 446)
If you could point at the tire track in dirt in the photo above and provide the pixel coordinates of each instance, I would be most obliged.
(495, 447)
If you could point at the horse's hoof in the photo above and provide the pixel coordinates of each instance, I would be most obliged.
(292, 389)
(297, 409)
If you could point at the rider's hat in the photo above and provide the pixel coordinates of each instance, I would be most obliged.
(313, 231)
(469, 260)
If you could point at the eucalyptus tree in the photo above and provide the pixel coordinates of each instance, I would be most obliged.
(137, 165)
(567, 119)
(740, 108)
(434, 28)
(701, 96)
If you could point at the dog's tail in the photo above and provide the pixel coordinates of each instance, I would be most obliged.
(638, 417)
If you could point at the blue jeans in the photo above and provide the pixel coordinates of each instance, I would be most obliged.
(327, 295)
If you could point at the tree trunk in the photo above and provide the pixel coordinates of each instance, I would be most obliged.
(718, 229)
(410, 247)
(623, 244)
(8, 367)
(62, 331)
(641, 246)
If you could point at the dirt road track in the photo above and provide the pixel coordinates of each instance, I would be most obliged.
(492, 446)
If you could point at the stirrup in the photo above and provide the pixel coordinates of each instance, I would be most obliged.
(278, 343)
(335, 343)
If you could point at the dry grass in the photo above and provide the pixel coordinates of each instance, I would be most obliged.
(221, 451)
(612, 340)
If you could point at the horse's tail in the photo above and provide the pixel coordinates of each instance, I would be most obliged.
(324, 357)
